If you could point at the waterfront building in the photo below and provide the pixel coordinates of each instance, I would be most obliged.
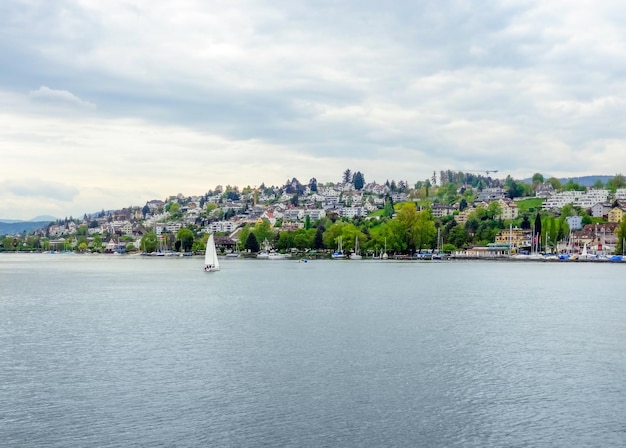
(518, 238)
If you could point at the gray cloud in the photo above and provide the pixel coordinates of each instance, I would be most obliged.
(453, 84)
(39, 189)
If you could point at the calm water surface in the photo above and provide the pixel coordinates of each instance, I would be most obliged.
(100, 351)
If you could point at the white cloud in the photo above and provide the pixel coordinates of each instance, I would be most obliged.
(60, 97)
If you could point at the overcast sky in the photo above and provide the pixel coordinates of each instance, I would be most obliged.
(107, 104)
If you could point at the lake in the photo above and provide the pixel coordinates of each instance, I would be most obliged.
(123, 351)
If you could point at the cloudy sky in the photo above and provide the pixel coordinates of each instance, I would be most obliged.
(106, 104)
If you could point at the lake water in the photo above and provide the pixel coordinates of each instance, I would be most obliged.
(115, 351)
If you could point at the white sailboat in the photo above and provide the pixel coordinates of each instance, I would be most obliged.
(211, 262)
(356, 253)
(339, 253)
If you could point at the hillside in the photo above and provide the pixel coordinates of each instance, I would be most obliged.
(585, 181)
(18, 227)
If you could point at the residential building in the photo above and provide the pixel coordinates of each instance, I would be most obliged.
(315, 213)
(544, 190)
(574, 222)
(600, 209)
(490, 194)
(441, 210)
(508, 209)
(616, 214)
(220, 226)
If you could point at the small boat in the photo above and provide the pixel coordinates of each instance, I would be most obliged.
(338, 254)
(356, 253)
(211, 262)
(273, 255)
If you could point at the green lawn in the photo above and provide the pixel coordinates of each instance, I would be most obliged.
(531, 203)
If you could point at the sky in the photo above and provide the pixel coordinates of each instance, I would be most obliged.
(110, 104)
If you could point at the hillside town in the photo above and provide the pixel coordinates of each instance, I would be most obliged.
(466, 214)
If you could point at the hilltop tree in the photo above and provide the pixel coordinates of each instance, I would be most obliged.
(358, 181)
(347, 176)
(313, 184)
(619, 181)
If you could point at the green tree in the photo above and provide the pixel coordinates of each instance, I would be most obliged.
(458, 236)
(210, 207)
(186, 237)
(302, 239)
(621, 237)
(263, 231)
(96, 243)
(494, 210)
(243, 235)
(619, 181)
(407, 229)
(149, 242)
(537, 178)
(307, 222)
(425, 230)
(285, 240)
(174, 209)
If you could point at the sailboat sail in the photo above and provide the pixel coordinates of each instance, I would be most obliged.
(211, 262)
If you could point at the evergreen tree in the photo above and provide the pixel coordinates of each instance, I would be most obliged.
(538, 230)
(318, 241)
(358, 180)
(347, 176)
(251, 243)
(388, 210)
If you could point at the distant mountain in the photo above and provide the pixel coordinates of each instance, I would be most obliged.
(585, 181)
(12, 227)
(43, 218)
